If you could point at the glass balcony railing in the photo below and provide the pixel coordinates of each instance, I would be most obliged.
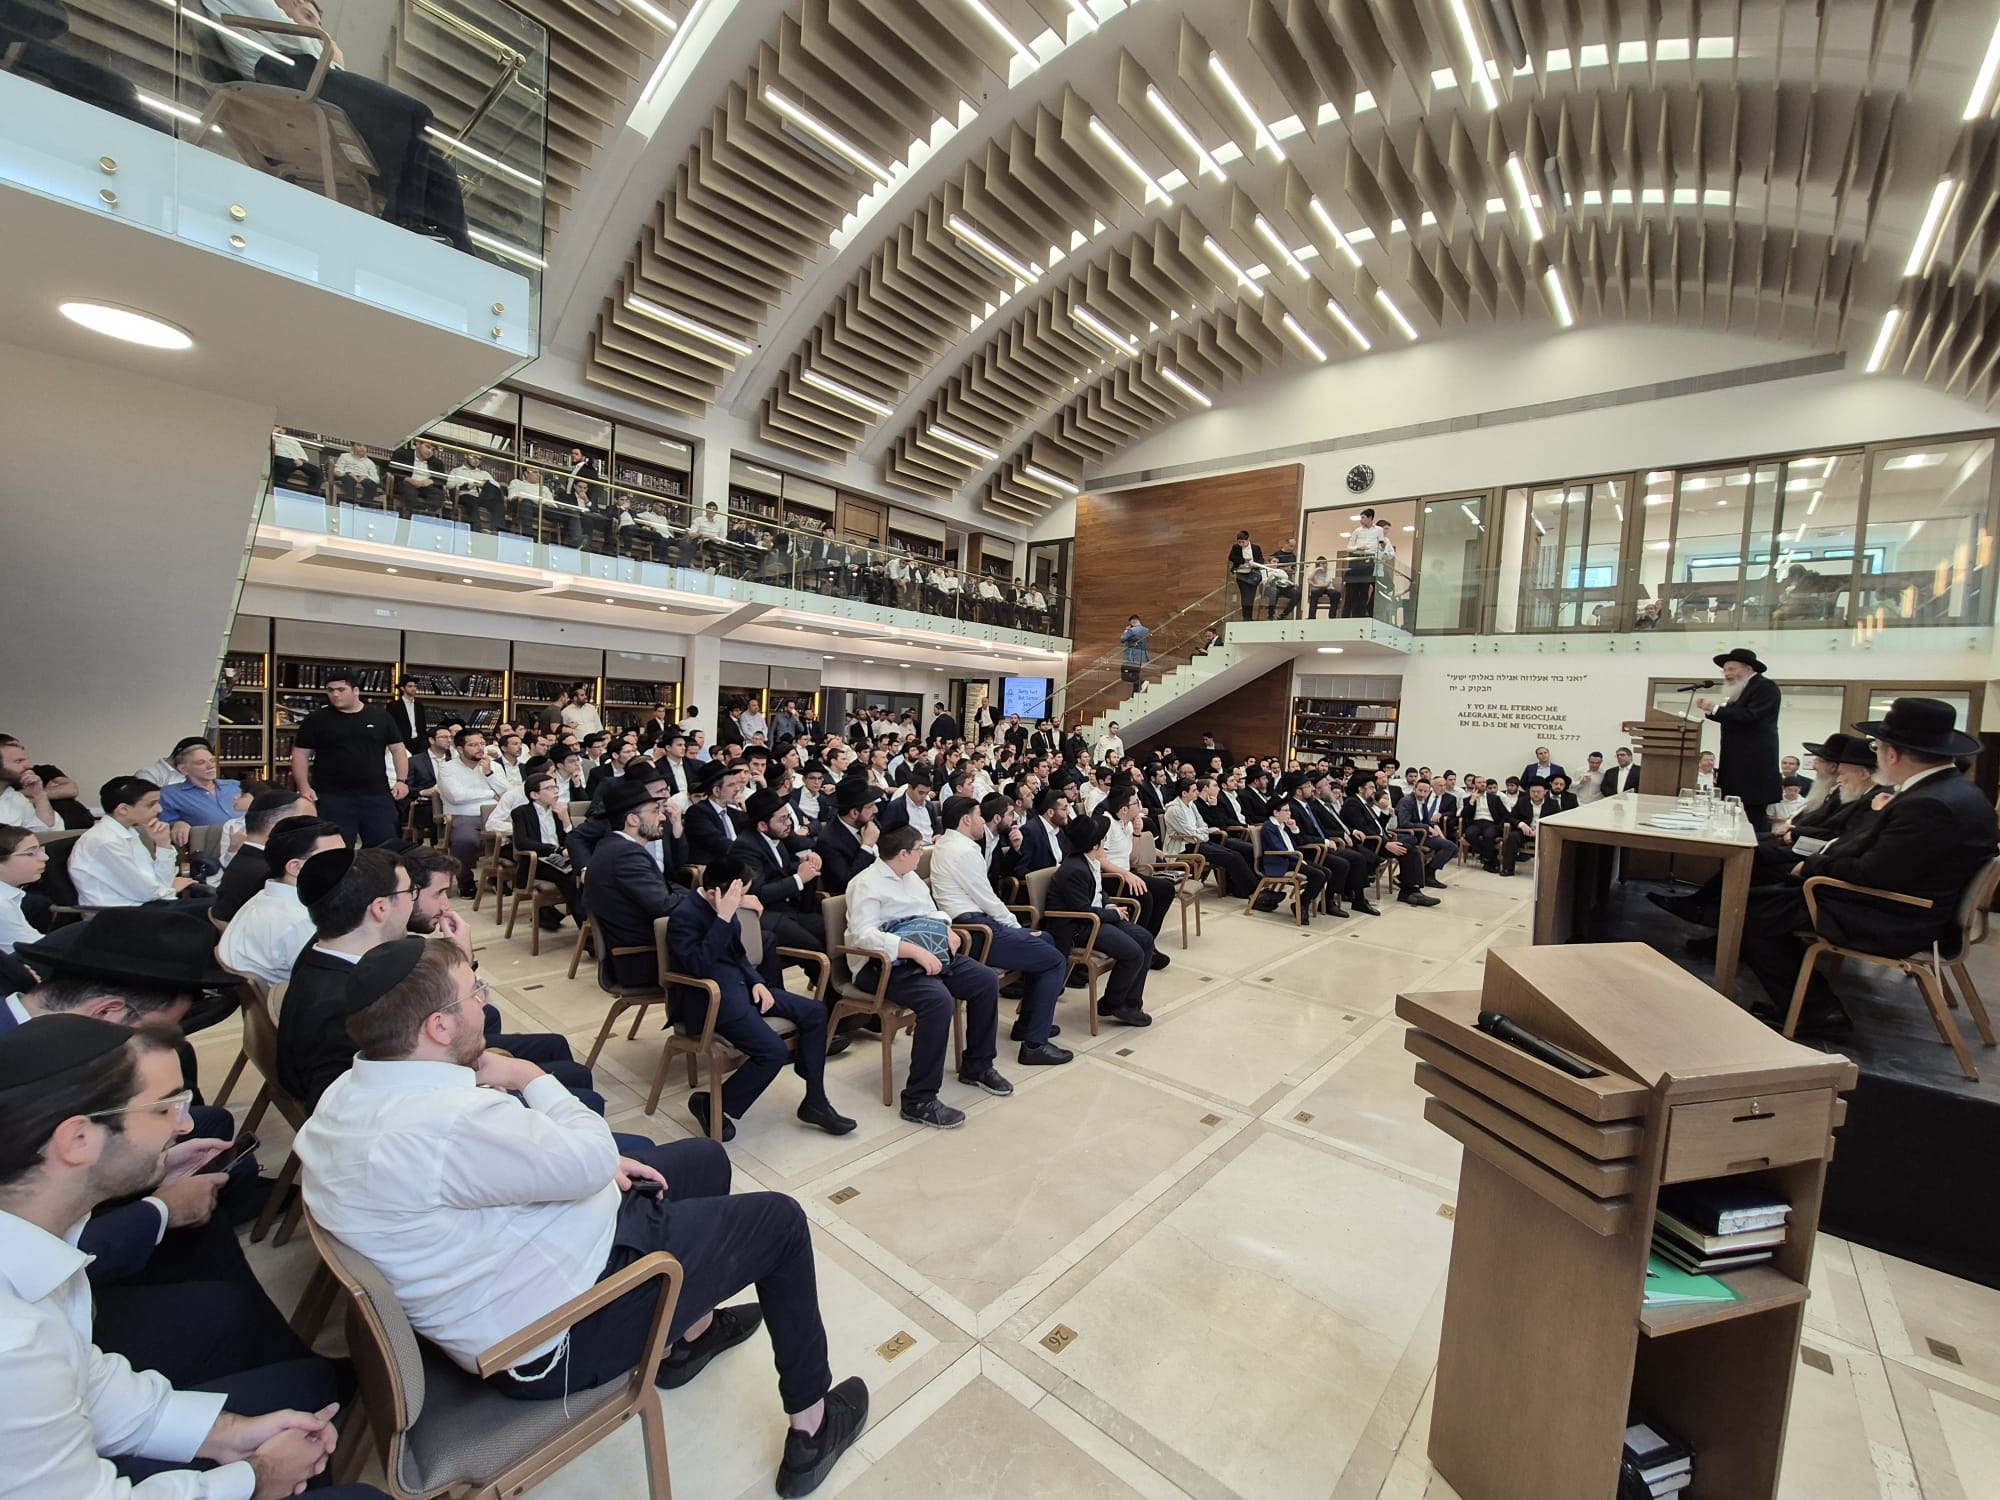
(473, 505)
(426, 115)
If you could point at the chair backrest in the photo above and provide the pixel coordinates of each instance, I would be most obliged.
(206, 840)
(924, 865)
(1973, 903)
(1038, 890)
(1145, 849)
(55, 882)
(388, 1360)
(1257, 849)
(833, 913)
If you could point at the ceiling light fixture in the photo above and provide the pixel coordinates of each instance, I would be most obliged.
(1082, 12)
(1181, 383)
(245, 38)
(1104, 330)
(1130, 162)
(1934, 217)
(389, 570)
(847, 393)
(453, 145)
(1047, 480)
(1884, 341)
(503, 247)
(1519, 179)
(957, 440)
(1982, 86)
(999, 28)
(1395, 313)
(127, 324)
(1243, 278)
(1311, 347)
(654, 14)
(1331, 650)
(1558, 298)
(1347, 249)
(1276, 242)
(665, 66)
(646, 307)
(1814, 504)
(1157, 102)
(1347, 325)
(1020, 270)
(1261, 133)
(826, 135)
(1471, 40)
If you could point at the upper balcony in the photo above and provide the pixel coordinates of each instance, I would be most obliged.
(291, 193)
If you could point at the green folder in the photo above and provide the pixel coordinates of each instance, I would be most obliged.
(1667, 1285)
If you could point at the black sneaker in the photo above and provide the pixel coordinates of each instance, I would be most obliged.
(826, 1117)
(686, 1358)
(990, 1080)
(1047, 1055)
(698, 1107)
(935, 1113)
(1020, 1031)
(1418, 898)
(808, 1460)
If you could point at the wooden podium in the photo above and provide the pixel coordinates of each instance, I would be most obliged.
(1669, 749)
(1545, 1346)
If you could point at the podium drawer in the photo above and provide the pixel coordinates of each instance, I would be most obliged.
(1747, 1134)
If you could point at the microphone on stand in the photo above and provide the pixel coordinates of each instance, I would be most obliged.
(1698, 687)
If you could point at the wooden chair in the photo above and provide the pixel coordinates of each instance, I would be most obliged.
(206, 840)
(436, 1428)
(1188, 891)
(1291, 882)
(856, 1000)
(1926, 968)
(1973, 927)
(260, 1040)
(541, 896)
(586, 934)
(1085, 960)
(633, 997)
(251, 993)
(495, 870)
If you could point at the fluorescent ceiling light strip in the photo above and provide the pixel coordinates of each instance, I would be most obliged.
(846, 393)
(990, 250)
(1480, 64)
(1204, 161)
(1982, 86)
(511, 251)
(646, 307)
(1470, 514)
(1347, 325)
(1261, 133)
(1520, 180)
(1047, 480)
(1242, 276)
(1174, 378)
(999, 28)
(1934, 216)
(1326, 222)
(1395, 314)
(1884, 341)
(684, 31)
(1081, 11)
(1558, 298)
(826, 135)
(453, 144)
(654, 14)
(246, 38)
(958, 440)
(1130, 162)
(1312, 348)
(171, 111)
(1104, 330)
(1271, 237)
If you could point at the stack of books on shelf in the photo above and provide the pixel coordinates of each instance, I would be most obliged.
(1706, 1227)
(1665, 1465)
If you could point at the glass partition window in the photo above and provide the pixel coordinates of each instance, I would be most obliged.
(1815, 557)
(1451, 543)
(1928, 549)
(1722, 545)
(1569, 554)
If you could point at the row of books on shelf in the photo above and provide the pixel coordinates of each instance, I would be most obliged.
(1702, 1228)
(315, 674)
(1340, 708)
(244, 671)
(634, 694)
(1380, 729)
(456, 685)
(1654, 1464)
(238, 747)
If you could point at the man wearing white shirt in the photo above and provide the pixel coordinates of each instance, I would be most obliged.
(289, 467)
(1110, 749)
(24, 801)
(355, 476)
(1590, 786)
(750, 722)
(127, 857)
(481, 501)
(581, 716)
(509, 758)
(960, 883)
(92, 1109)
(882, 900)
(267, 935)
(484, 1216)
(466, 784)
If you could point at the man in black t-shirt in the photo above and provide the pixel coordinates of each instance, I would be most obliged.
(337, 763)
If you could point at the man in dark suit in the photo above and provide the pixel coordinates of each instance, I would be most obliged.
(1420, 814)
(1078, 886)
(705, 941)
(618, 757)
(712, 821)
(411, 718)
(846, 843)
(1523, 825)
(1349, 866)
(1041, 833)
(1279, 836)
(1246, 567)
(1486, 818)
(1561, 798)
(1361, 818)
(357, 902)
(628, 887)
(1749, 719)
(1622, 777)
(247, 870)
(943, 725)
(674, 764)
(541, 828)
(1541, 769)
(784, 883)
(1934, 836)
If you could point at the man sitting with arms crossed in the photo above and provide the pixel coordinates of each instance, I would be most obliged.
(704, 940)
(484, 1216)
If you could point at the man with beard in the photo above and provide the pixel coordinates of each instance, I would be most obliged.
(1748, 714)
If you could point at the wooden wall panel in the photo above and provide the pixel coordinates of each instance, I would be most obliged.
(1249, 721)
(1152, 551)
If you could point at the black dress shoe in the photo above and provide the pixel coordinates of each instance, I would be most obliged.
(1435, 884)
(991, 1079)
(1366, 907)
(808, 1460)
(1335, 909)
(1160, 960)
(687, 1357)
(1131, 1015)
(835, 1045)
(826, 1117)
(698, 1107)
(1418, 898)
(1020, 1031)
(1044, 1055)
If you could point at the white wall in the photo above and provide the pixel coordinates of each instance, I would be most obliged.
(128, 502)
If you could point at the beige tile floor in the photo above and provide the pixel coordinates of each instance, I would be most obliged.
(1238, 1211)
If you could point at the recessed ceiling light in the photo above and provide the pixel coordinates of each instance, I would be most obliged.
(661, 607)
(389, 570)
(1331, 650)
(465, 580)
(904, 665)
(125, 323)
(610, 601)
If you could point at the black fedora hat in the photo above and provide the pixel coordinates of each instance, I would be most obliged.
(1743, 654)
(853, 792)
(159, 946)
(1923, 726)
(1849, 750)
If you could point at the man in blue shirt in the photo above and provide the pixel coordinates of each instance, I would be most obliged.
(204, 798)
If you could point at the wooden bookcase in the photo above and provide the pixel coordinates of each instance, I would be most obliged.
(634, 683)
(243, 709)
(1362, 728)
(1545, 1346)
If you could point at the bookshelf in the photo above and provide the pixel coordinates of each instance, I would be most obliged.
(1364, 728)
(1544, 1329)
(243, 701)
(633, 683)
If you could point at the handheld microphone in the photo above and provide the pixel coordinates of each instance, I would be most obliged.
(1496, 1025)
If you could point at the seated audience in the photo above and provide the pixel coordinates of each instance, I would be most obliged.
(1522, 827)
(1280, 836)
(267, 935)
(356, 479)
(127, 858)
(1078, 886)
(357, 901)
(24, 799)
(1125, 818)
(248, 869)
(541, 827)
(1421, 815)
(289, 467)
(784, 882)
(848, 840)
(1184, 826)
(22, 860)
(201, 798)
(480, 499)
(713, 820)
(469, 781)
(629, 885)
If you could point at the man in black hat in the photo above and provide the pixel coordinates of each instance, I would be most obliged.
(1933, 837)
(1748, 714)
(784, 883)
(90, 1112)
(629, 886)
(713, 820)
(846, 843)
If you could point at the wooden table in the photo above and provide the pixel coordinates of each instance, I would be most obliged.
(1572, 875)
